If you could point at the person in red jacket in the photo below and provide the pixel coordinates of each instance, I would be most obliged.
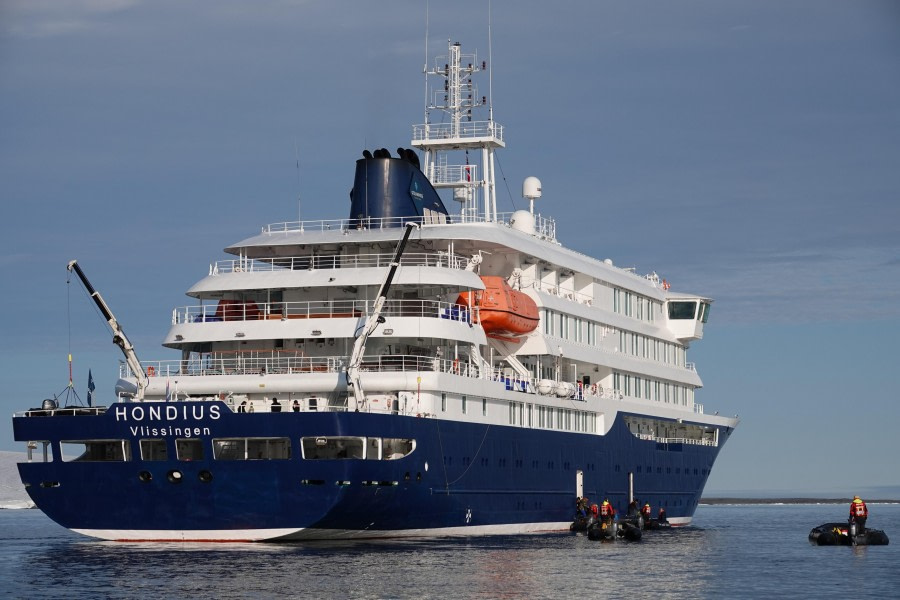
(607, 512)
(645, 512)
(859, 512)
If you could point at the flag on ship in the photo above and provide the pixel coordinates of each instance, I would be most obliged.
(91, 387)
(167, 389)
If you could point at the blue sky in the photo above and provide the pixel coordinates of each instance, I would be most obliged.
(745, 150)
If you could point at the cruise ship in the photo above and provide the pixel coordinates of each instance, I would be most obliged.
(426, 366)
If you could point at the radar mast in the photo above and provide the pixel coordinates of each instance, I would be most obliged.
(459, 152)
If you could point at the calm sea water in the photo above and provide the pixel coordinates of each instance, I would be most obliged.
(731, 552)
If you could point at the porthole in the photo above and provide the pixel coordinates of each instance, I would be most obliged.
(174, 476)
(145, 476)
(204, 476)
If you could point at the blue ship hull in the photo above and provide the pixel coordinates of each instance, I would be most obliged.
(462, 478)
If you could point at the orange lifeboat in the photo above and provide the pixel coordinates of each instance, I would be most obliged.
(503, 312)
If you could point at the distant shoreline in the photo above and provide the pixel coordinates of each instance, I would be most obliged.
(791, 501)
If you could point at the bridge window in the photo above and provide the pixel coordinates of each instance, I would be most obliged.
(682, 310)
(703, 317)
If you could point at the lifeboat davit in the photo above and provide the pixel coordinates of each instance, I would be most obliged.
(503, 312)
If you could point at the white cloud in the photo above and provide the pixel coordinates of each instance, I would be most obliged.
(49, 18)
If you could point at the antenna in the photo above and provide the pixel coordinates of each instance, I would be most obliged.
(491, 67)
(297, 158)
(425, 65)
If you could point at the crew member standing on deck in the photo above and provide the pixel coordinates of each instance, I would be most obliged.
(859, 512)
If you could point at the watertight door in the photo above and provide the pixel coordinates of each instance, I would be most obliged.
(579, 484)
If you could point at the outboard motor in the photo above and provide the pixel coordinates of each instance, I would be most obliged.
(388, 191)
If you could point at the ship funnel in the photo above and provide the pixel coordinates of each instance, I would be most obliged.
(389, 191)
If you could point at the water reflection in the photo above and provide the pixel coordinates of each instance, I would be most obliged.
(739, 552)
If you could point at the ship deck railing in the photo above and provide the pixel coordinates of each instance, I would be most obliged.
(427, 132)
(263, 362)
(319, 309)
(337, 261)
(62, 411)
(252, 362)
(545, 227)
(675, 440)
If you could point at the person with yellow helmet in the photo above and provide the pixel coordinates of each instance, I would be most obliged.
(859, 512)
(607, 512)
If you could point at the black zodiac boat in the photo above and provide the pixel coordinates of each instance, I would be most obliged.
(625, 529)
(842, 534)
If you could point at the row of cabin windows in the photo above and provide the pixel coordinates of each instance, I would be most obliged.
(230, 449)
(542, 417)
(650, 348)
(464, 403)
(569, 327)
(548, 417)
(634, 386)
(584, 331)
(634, 305)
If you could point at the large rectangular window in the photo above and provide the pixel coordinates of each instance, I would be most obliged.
(682, 310)
(95, 450)
(154, 450)
(189, 449)
(333, 447)
(252, 449)
(348, 447)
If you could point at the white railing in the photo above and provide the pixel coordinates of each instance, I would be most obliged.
(336, 261)
(323, 309)
(255, 362)
(560, 292)
(454, 174)
(466, 129)
(544, 226)
(676, 440)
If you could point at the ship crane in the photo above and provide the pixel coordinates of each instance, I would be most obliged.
(119, 337)
(373, 321)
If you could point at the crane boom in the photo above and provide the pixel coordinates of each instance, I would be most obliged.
(119, 337)
(373, 320)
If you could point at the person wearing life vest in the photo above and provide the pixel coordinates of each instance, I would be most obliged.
(581, 507)
(607, 512)
(859, 512)
(645, 512)
(662, 516)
